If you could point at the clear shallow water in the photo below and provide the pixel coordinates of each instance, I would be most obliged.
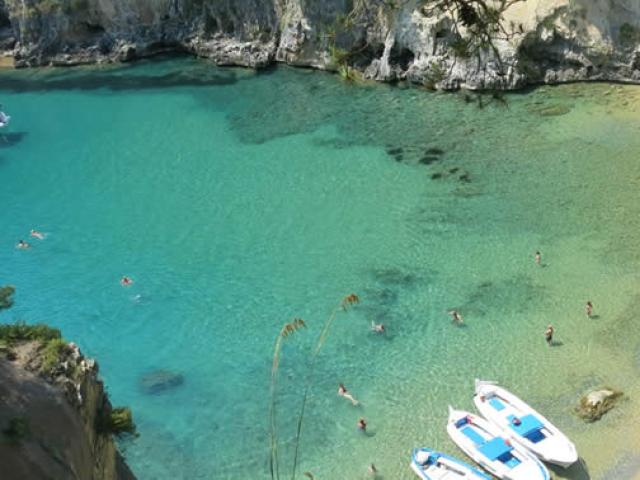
(239, 201)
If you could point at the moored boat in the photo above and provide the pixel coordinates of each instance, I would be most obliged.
(431, 465)
(524, 425)
(484, 443)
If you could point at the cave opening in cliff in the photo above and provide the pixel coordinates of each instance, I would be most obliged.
(403, 57)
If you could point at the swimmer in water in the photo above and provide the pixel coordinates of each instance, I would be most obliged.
(589, 309)
(126, 281)
(362, 425)
(37, 234)
(538, 258)
(22, 245)
(342, 391)
(456, 317)
(377, 327)
(548, 335)
(373, 470)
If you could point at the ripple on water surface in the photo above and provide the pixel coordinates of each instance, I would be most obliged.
(239, 201)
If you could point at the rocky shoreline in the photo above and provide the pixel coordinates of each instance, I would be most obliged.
(56, 420)
(537, 41)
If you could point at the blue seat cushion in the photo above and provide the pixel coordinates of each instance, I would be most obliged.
(475, 437)
(495, 448)
(528, 425)
(496, 403)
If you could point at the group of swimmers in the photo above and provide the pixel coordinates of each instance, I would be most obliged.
(549, 331)
(362, 423)
(22, 245)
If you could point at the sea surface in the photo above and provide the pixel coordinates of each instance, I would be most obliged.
(239, 201)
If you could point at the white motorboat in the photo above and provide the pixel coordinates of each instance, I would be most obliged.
(431, 465)
(485, 444)
(522, 424)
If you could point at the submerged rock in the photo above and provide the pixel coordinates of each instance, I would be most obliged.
(434, 151)
(159, 381)
(429, 159)
(595, 404)
(550, 110)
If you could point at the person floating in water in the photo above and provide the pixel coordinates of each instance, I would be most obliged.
(126, 281)
(37, 234)
(343, 392)
(372, 470)
(548, 335)
(538, 258)
(377, 327)
(362, 425)
(589, 309)
(4, 118)
(22, 245)
(456, 317)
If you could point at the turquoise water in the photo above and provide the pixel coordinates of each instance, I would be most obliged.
(239, 201)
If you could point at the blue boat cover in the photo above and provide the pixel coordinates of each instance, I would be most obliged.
(528, 425)
(495, 448)
(475, 437)
(496, 403)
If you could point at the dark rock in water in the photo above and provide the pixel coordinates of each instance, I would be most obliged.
(552, 110)
(159, 381)
(429, 159)
(394, 277)
(399, 157)
(454, 170)
(436, 176)
(465, 178)
(595, 404)
(434, 151)
(395, 151)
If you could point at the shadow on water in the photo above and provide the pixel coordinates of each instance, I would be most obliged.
(577, 471)
(117, 82)
(10, 139)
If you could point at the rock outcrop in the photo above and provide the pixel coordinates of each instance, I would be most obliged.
(54, 413)
(596, 403)
(539, 41)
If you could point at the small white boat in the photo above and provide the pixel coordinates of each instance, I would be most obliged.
(484, 443)
(431, 465)
(4, 119)
(521, 423)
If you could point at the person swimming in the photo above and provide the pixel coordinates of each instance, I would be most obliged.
(589, 309)
(362, 425)
(343, 392)
(126, 281)
(456, 317)
(37, 234)
(538, 258)
(373, 470)
(22, 245)
(377, 327)
(548, 335)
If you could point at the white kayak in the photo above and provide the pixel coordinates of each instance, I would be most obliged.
(521, 423)
(431, 465)
(485, 444)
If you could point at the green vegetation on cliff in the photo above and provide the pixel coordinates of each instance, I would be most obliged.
(6, 294)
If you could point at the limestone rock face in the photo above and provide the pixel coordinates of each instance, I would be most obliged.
(48, 422)
(548, 41)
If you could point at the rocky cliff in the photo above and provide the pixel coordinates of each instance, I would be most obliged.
(56, 421)
(422, 41)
